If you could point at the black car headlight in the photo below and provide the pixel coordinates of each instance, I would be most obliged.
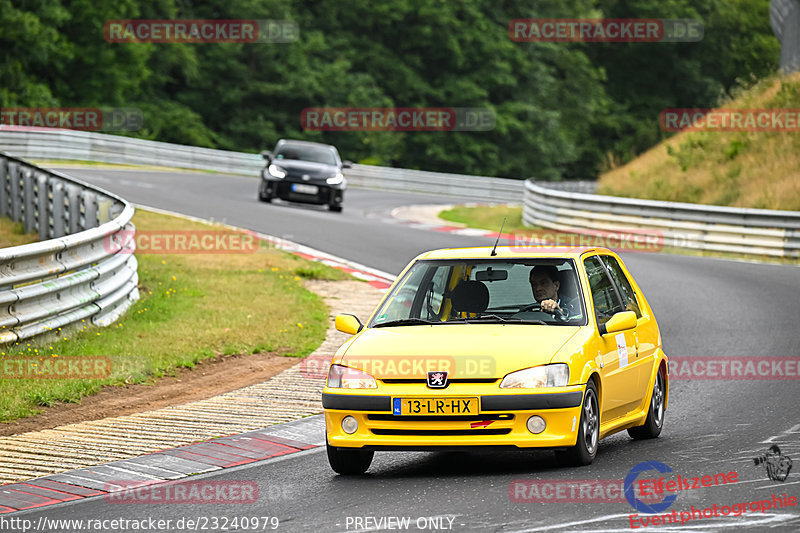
(337, 179)
(275, 171)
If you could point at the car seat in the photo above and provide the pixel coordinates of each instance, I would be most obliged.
(470, 297)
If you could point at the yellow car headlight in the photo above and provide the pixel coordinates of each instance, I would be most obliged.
(343, 377)
(556, 375)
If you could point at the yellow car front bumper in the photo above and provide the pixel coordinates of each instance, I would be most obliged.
(501, 420)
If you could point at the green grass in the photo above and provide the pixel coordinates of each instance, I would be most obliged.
(486, 217)
(13, 234)
(740, 169)
(192, 307)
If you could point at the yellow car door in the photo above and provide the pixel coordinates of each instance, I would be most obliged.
(618, 351)
(646, 332)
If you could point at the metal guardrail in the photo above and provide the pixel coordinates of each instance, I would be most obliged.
(83, 268)
(50, 143)
(53, 143)
(560, 205)
(457, 185)
(784, 17)
(679, 225)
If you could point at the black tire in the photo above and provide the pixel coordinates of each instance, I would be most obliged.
(655, 415)
(261, 196)
(349, 462)
(585, 449)
(335, 208)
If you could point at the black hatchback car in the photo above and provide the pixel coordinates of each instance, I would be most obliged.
(302, 171)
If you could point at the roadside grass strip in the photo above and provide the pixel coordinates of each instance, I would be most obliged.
(192, 307)
(293, 395)
(486, 217)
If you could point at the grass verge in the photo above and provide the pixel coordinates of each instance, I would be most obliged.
(742, 169)
(486, 217)
(192, 307)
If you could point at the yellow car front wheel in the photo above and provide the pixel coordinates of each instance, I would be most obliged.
(349, 462)
(585, 449)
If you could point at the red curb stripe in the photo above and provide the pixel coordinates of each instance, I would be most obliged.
(196, 457)
(286, 442)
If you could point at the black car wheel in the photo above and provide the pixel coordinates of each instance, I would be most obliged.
(335, 208)
(263, 194)
(585, 449)
(655, 415)
(349, 462)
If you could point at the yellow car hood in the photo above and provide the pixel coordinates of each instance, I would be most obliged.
(465, 350)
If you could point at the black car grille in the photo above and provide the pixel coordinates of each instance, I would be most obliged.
(441, 432)
(442, 418)
(284, 190)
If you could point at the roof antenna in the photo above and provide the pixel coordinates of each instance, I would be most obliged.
(494, 250)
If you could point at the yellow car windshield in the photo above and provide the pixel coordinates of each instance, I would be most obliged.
(543, 291)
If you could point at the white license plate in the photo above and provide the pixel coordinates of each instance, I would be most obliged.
(305, 189)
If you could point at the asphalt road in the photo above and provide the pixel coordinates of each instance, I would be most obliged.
(705, 307)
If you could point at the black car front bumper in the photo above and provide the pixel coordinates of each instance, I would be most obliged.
(293, 191)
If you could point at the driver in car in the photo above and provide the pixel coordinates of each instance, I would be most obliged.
(544, 285)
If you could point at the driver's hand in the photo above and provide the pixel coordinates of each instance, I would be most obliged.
(550, 306)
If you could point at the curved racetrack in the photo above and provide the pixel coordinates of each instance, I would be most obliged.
(705, 307)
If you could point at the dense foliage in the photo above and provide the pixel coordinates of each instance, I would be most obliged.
(564, 110)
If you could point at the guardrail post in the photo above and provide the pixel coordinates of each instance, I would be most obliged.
(42, 213)
(3, 187)
(89, 201)
(58, 209)
(103, 209)
(14, 193)
(73, 208)
(28, 214)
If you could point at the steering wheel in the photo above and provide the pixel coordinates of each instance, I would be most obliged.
(531, 307)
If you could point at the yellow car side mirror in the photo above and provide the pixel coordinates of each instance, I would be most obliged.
(349, 324)
(619, 322)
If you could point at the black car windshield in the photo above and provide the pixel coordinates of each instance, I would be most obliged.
(503, 291)
(313, 154)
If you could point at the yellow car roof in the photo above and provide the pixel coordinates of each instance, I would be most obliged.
(510, 252)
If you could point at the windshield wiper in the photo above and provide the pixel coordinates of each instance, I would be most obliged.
(496, 318)
(405, 322)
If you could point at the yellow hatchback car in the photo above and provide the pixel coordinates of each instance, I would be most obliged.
(505, 347)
